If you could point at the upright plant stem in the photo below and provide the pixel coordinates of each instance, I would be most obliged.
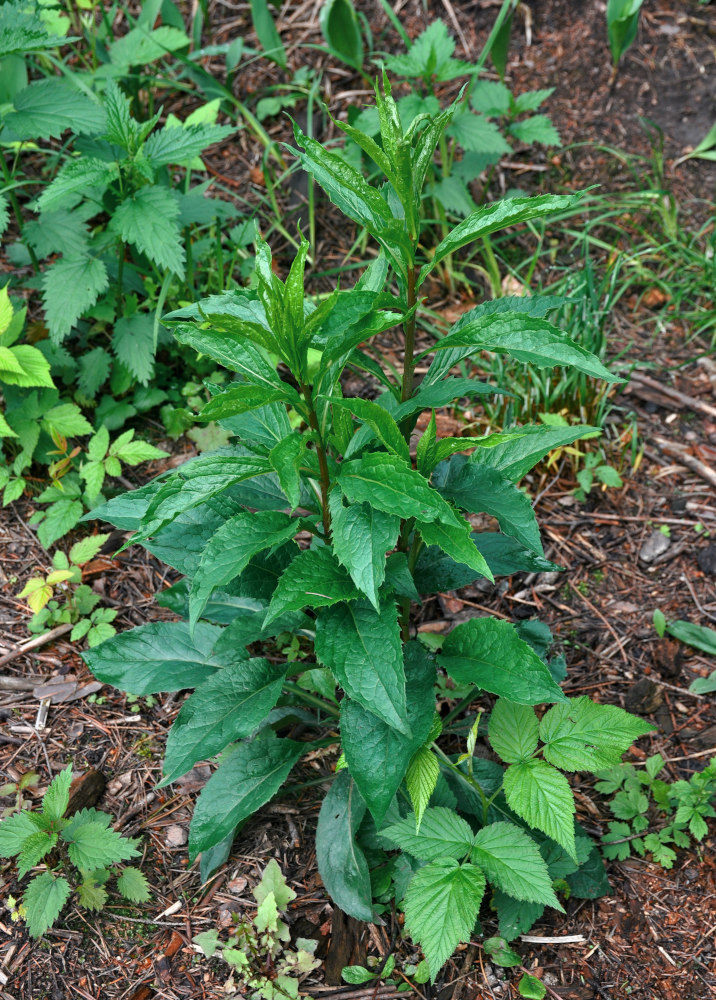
(17, 211)
(322, 460)
(409, 363)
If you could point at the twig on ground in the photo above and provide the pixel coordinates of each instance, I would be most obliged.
(39, 640)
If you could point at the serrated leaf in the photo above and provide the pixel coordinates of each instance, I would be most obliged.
(86, 276)
(133, 344)
(228, 706)
(93, 371)
(443, 834)
(477, 134)
(582, 735)
(46, 108)
(420, 779)
(285, 457)
(86, 549)
(457, 542)
(237, 356)
(29, 369)
(378, 755)
(57, 796)
(341, 862)
(389, 484)
(515, 916)
(380, 422)
(248, 775)
(33, 850)
(538, 128)
(362, 648)
(511, 860)
(43, 899)
(231, 547)
(74, 180)
(180, 145)
(313, 579)
(14, 831)
(489, 653)
(513, 730)
(148, 220)
(273, 881)
(133, 885)
(539, 794)
(361, 536)
(91, 892)
(61, 517)
(93, 845)
(141, 45)
(66, 419)
(161, 656)
(441, 907)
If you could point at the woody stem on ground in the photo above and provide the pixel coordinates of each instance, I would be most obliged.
(322, 460)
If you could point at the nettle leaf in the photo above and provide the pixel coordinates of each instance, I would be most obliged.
(420, 779)
(148, 220)
(48, 107)
(583, 735)
(341, 862)
(70, 287)
(43, 899)
(174, 144)
(34, 850)
(441, 907)
(74, 180)
(15, 830)
(161, 656)
(378, 755)
(230, 549)
(490, 654)
(57, 796)
(133, 344)
(248, 775)
(360, 538)
(511, 860)
(362, 649)
(539, 794)
(92, 845)
(228, 706)
(513, 730)
(443, 834)
(133, 885)
(313, 579)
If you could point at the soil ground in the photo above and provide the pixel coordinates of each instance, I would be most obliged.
(654, 938)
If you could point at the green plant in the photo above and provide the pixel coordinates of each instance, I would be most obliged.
(258, 949)
(377, 531)
(29, 779)
(60, 597)
(82, 853)
(642, 801)
(698, 636)
(622, 25)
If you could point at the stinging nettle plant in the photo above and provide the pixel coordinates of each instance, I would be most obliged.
(377, 528)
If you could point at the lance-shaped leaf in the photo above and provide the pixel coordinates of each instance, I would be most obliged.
(585, 736)
(313, 579)
(434, 396)
(515, 458)
(161, 656)
(285, 457)
(249, 774)
(361, 536)
(511, 860)
(230, 548)
(540, 795)
(362, 649)
(352, 194)
(491, 218)
(242, 398)
(527, 339)
(476, 488)
(228, 706)
(378, 755)
(341, 863)
(236, 355)
(441, 906)
(388, 483)
(456, 541)
(490, 654)
(379, 421)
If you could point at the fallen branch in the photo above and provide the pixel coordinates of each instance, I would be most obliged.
(39, 640)
(690, 461)
(679, 397)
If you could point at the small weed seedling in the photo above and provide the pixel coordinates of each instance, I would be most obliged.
(622, 26)
(29, 779)
(258, 947)
(655, 816)
(80, 856)
(60, 597)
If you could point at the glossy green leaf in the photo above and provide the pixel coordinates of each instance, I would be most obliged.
(341, 862)
(380, 422)
(228, 706)
(249, 774)
(161, 656)
(388, 483)
(313, 579)
(362, 648)
(341, 30)
(285, 457)
(236, 355)
(242, 398)
(455, 539)
(489, 653)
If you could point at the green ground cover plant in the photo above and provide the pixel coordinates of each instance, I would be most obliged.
(378, 527)
(699, 636)
(80, 855)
